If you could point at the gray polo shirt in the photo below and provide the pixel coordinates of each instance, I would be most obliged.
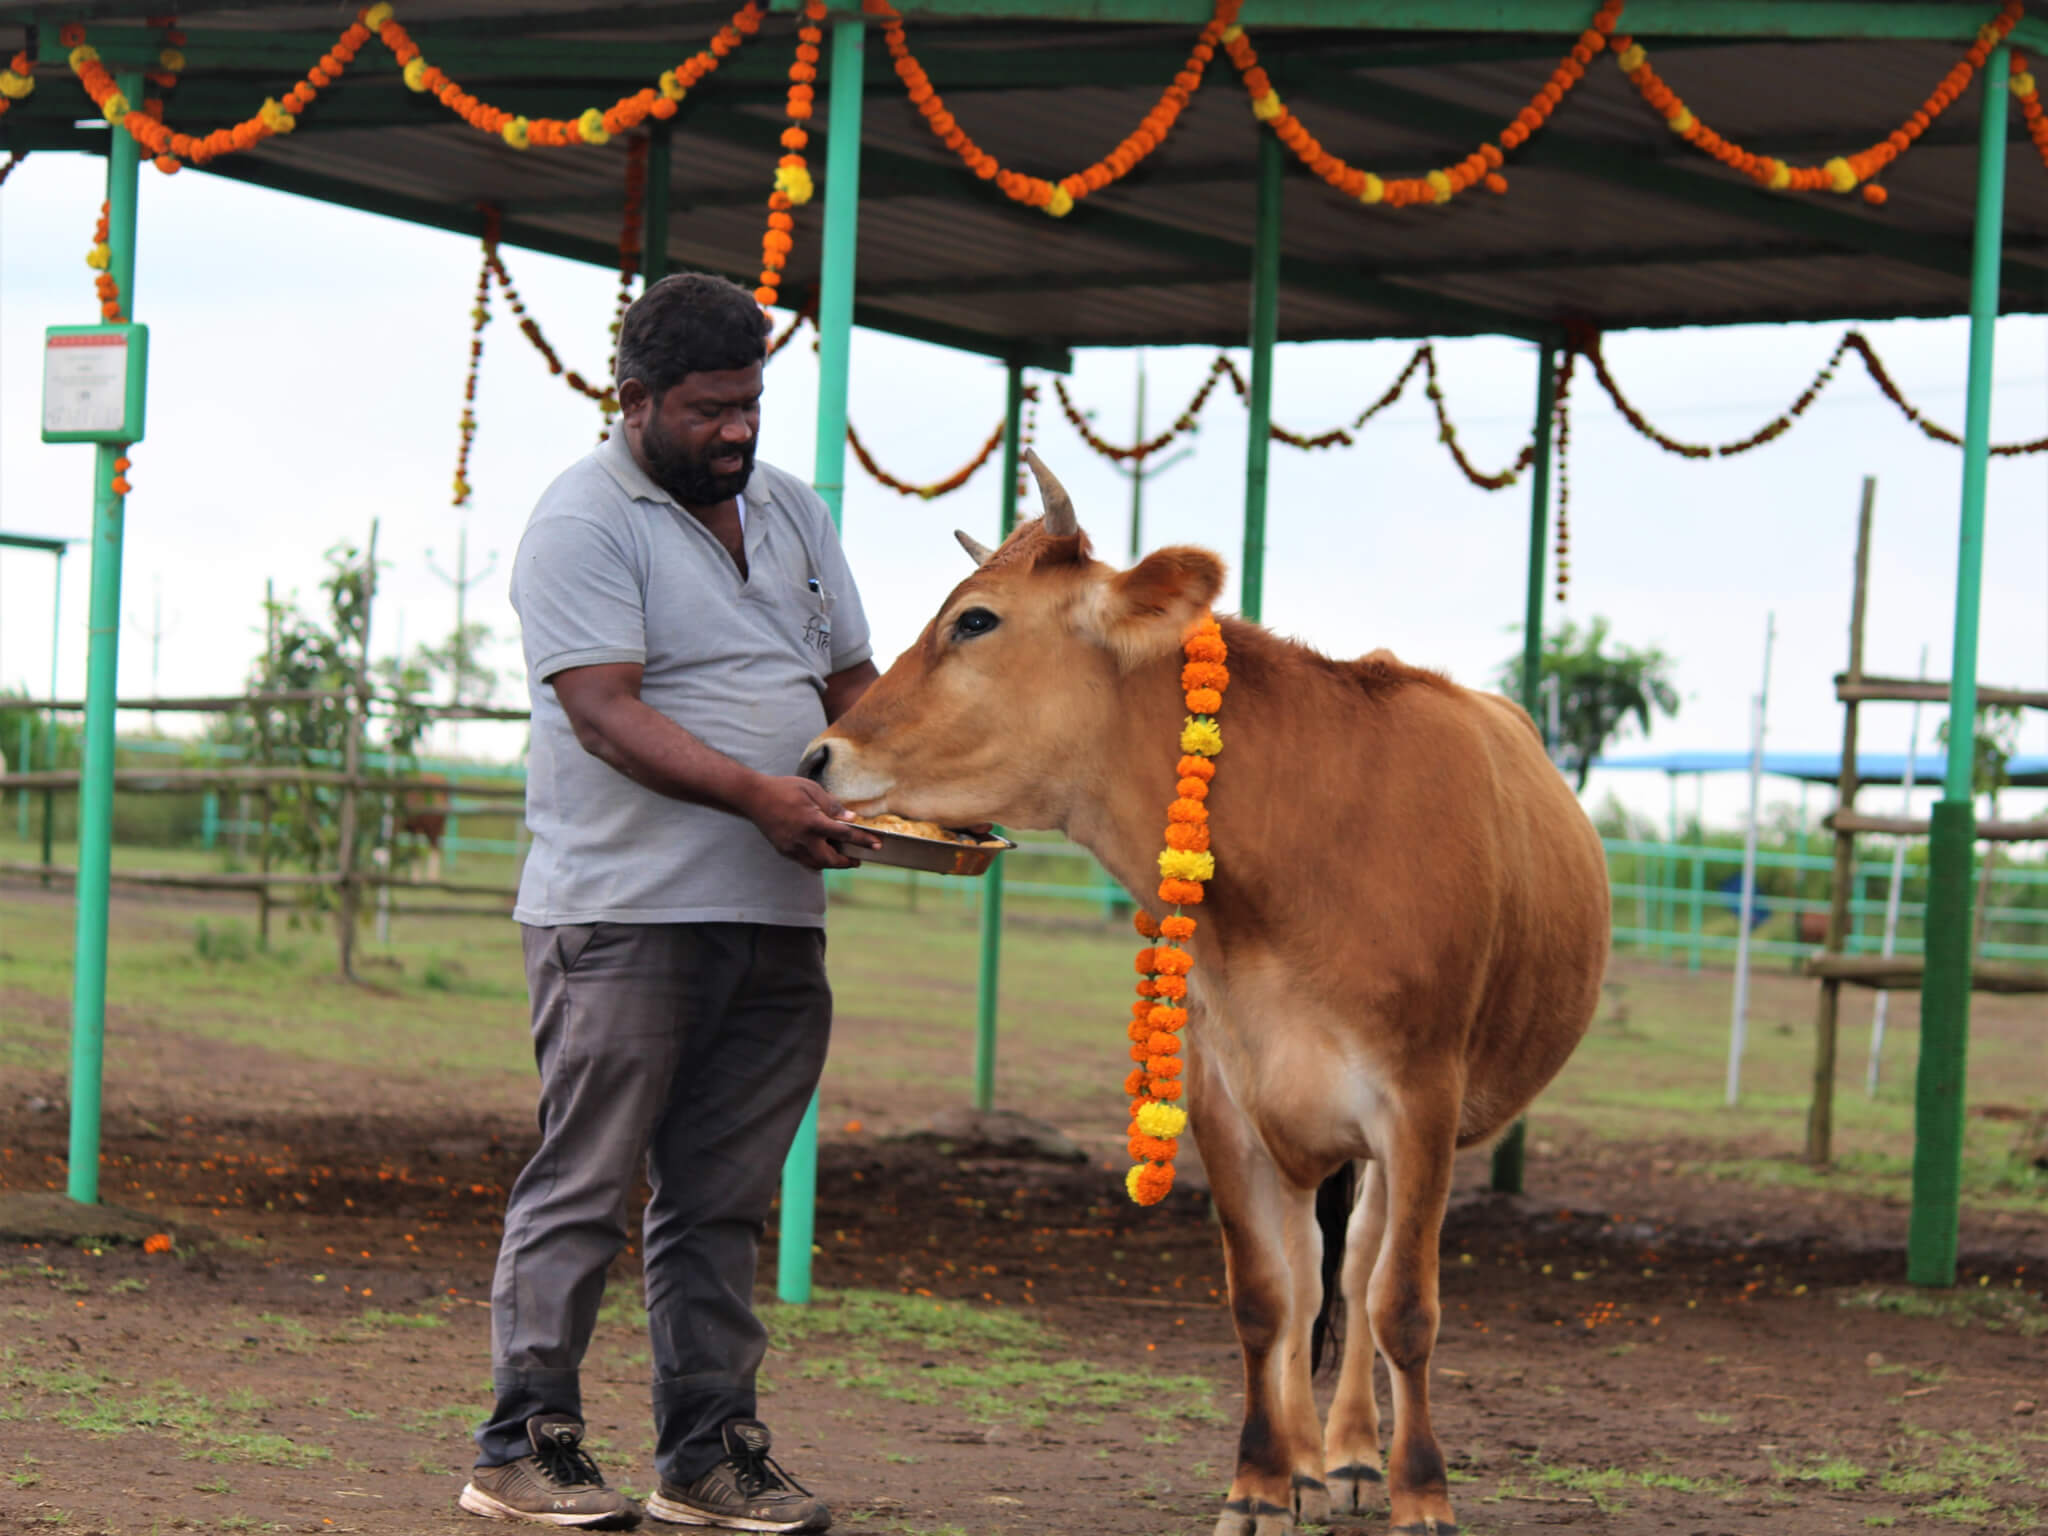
(612, 569)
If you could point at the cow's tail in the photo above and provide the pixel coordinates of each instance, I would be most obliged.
(1334, 1199)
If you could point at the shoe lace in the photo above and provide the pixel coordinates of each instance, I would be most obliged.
(567, 1465)
(755, 1472)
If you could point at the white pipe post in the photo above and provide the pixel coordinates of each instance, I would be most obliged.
(1738, 1028)
(1891, 900)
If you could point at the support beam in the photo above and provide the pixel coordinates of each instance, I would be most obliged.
(654, 222)
(828, 478)
(987, 979)
(1940, 1084)
(1265, 329)
(1510, 1156)
(96, 787)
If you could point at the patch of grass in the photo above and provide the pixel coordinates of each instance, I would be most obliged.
(1834, 1472)
(1913, 1481)
(24, 1479)
(95, 1403)
(129, 1285)
(376, 1318)
(215, 1485)
(1963, 1508)
(1716, 1419)
(884, 1317)
(1995, 1311)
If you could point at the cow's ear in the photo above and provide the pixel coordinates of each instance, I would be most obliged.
(1143, 612)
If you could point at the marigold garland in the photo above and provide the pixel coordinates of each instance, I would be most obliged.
(17, 83)
(951, 483)
(1480, 168)
(793, 185)
(2029, 98)
(479, 316)
(101, 259)
(1185, 866)
(1056, 198)
(1561, 414)
(629, 256)
(1843, 173)
(280, 115)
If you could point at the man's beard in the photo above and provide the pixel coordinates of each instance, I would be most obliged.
(690, 479)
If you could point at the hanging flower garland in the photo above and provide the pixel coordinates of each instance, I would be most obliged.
(1561, 413)
(479, 317)
(1481, 167)
(951, 483)
(1056, 198)
(1186, 865)
(2029, 96)
(1844, 173)
(170, 60)
(101, 259)
(280, 115)
(494, 259)
(17, 83)
(793, 185)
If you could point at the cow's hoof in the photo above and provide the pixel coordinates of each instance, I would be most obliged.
(1349, 1485)
(1430, 1527)
(1311, 1500)
(1254, 1517)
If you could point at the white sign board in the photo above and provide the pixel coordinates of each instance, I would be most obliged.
(85, 382)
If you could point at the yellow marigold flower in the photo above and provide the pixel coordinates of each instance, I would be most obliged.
(1440, 184)
(1131, 1181)
(1682, 121)
(416, 73)
(1182, 864)
(14, 87)
(275, 118)
(591, 126)
(1631, 58)
(1202, 738)
(1373, 190)
(1062, 203)
(1232, 33)
(1840, 176)
(172, 59)
(1267, 107)
(83, 55)
(377, 15)
(114, 108)
(794, 183)
(514, 132)
(1162, 1120)
(2023, 84)
(99, 258)
(1781, 176)
(671, 87)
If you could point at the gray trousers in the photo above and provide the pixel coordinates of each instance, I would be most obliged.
(697, 1045)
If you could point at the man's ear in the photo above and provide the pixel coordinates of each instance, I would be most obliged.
(1143, 612)
(634, 399)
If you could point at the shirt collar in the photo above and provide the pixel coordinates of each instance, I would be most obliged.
(616, 455)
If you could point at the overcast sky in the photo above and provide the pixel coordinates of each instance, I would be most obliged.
(307, 370)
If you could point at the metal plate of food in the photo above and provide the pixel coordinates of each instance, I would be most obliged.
(924, 845)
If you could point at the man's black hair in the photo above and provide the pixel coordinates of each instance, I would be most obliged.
(690, 322)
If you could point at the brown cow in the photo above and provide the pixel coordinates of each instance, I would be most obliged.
(423, 813)
(1403, 942)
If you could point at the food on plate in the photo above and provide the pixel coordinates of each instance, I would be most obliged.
(887, 822)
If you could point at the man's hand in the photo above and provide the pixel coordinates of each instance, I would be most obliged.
(805, 823)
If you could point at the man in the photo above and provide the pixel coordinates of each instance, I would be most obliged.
(689, 624)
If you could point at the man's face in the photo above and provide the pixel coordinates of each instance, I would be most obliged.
(697, 440)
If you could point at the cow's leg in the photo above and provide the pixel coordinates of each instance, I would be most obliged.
(1402, 1301)
(1260, 1211)
(1351, 1443)
(434, 860)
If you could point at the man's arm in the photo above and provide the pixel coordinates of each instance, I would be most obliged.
(843, 689)
(615, 726)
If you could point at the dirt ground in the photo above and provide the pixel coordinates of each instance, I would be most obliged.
(1633, 1347)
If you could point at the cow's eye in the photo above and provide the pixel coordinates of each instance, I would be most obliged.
(975, 621)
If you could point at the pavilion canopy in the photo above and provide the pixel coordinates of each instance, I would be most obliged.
(1610, 220)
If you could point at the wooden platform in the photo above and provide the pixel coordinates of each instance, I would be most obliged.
(1895, 973)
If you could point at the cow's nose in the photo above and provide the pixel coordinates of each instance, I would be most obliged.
(813, 765)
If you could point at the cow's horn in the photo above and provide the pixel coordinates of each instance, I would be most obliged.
(1060, 521)
(980, 551)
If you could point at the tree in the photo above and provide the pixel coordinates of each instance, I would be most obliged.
(1598, 691)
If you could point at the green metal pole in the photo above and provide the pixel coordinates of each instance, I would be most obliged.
(96, 788)
(828, 477)
(1510, 1156)
(1945, 983)
(654, 222)
(1265, 328)
(992, 882)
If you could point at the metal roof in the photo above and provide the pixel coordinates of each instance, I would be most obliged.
(1610, 220)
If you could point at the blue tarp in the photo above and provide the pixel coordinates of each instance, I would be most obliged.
(2029, 772)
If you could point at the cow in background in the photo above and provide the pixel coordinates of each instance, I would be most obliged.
(422, 812)
(1403, 942)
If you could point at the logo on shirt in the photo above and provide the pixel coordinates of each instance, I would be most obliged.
(818, 633)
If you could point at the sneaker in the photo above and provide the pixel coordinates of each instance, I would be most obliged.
(745, 1492)
(557, 1485)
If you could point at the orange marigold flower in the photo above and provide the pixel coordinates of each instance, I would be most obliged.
(1164, 1066)
(1173, 962)
(1148, 988)
(1205, 674)
(1175, 987)
(1165, 1089)
(157, 1242)
(1177, 927)
(1169, 1018)
(1144, 961)
(1163, 1043)
(1146, 924)
(1135, 1083)
(1140, 1054)
(1181, 893)
(1188, 837)
(1204, 701)
(1190, 811)
(1141, 1028)
(1207, 647)
(1153, 1183)
(1150, 1148)
(1192, 789)
(1194, 767)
